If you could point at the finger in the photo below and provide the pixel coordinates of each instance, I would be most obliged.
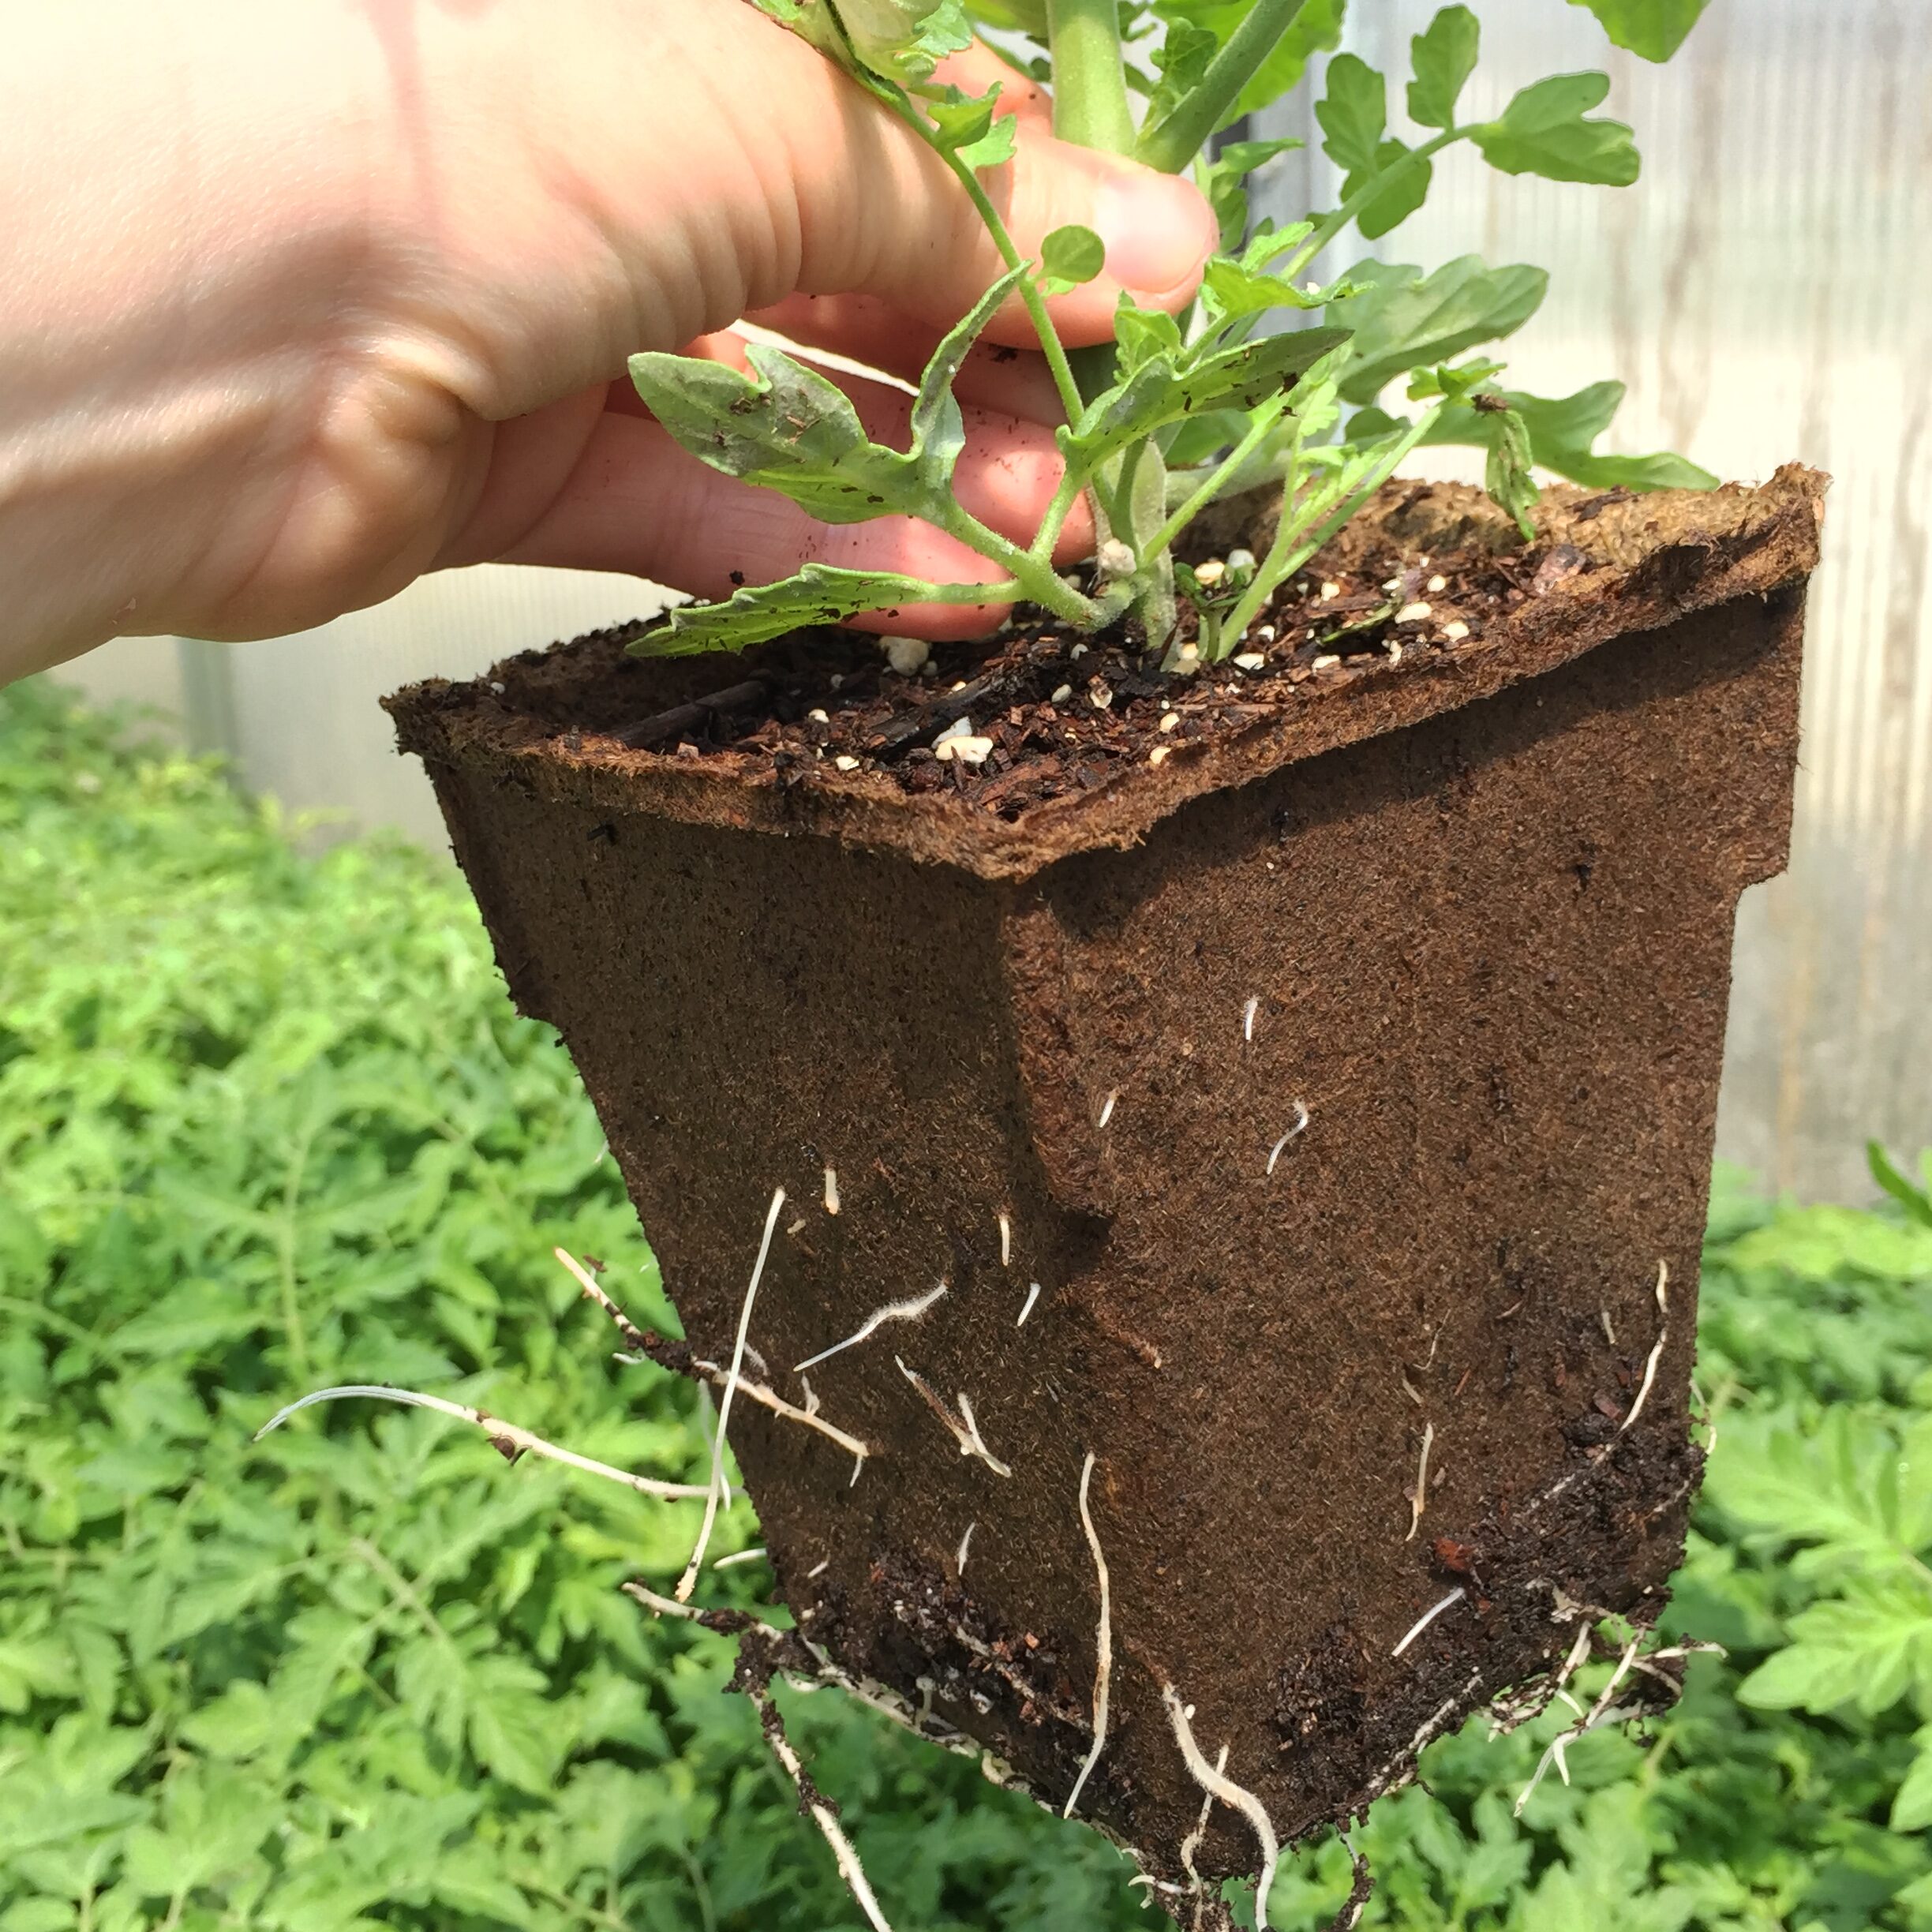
(995, 376)
(871, 209)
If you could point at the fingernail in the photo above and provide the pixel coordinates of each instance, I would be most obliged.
(1158, 230)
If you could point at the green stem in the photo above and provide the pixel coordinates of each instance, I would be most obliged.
(1264, 424)
(1034, 303)
(1327, 231)
(1090, 83)
(1071, 483)
(1071, 399)
(1039, 580)
(1292, 547)
(1172, 144)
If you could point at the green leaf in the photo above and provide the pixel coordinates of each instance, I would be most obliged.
(1406, 178)
(1445, 55)
(1916, 1201)
(1545, 131)
(1163, 390)
(788, 428)
(967, 124)
(901, 40)
(1911, 1810)
(1071, 256)
(1353, 114)
(513, 1724)
(1563, 434)
(785, 427)
(1230, 291)
(820, 593)
(1224, 180)
(1864, 1650)
(1508, 479)
(1654, 28)
(1403, 320)
(1182, 59)
(1317, 29)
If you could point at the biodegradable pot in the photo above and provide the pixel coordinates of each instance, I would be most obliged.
(1484, 899)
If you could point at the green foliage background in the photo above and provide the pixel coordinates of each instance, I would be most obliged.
(267, 1121)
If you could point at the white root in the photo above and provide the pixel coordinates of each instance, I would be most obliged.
(976, 1444)
(844, 1851)
(1192, 1843)
(1033, 1291)
(771, 1399)
(720, 1490)
(1248, 1017)
(1559, 1745)
(752, 1392)
(1429, 1617)
(1602, 1315)
(1005, 1228)
(1663, 1288)
(966, 1433)
(1601, 1712)
(1418, 1498)
(1300, 1126)
(818, 1569)
(831, 1192)
(1649, 1376)
(1217, 1785)
(753, 1555)
(893, 1311)
(1106, 1111)
(1103, 1642)
(508, 1437)
(593, 1292)
(965, 1544)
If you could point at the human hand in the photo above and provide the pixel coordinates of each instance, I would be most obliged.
(315, 297)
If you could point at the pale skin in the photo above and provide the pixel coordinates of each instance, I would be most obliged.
(303, 300)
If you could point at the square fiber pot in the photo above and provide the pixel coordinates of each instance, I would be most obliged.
(1482, 901)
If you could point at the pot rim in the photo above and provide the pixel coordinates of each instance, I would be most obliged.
(1646, 562)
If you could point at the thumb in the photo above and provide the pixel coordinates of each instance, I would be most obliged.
(877, 212)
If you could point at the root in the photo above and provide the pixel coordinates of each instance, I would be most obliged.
(1106, 1110)
(976, 1444)
(1192, 1843)
(1217, 1785)
(1361, 1890)
(1300, 1127)
(754, 1679)
(1429, 1617)
(756, 1554)
(635, 1337)
(1005, 1228)
(966, 1431)
(508, 1440)
(831, 1192)
(1104, 1644)
(1418, 1498)
(893, 1311)
(771, 1399)
(1248, 1017)
(1649, 1376)
(959, 1562)
(1033, 1290)
(720, 1491)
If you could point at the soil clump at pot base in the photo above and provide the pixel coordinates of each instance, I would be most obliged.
(1330, 1039)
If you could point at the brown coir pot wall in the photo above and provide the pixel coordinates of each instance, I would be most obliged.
(1486, 915)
